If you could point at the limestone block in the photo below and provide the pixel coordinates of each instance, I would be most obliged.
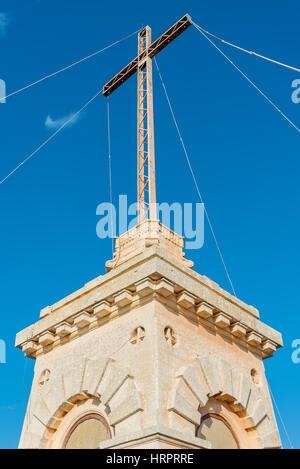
(102, 309)
(44, 444)
(53, 423)
(124, 427)
(253, 339)
(238, 330)
(66, 406)
(82, 319)
(185, 300)
(244, 391)
(158, 437)
(258, 414)
(204, 310)
(72, 380)
(222, 320)
(271, 440)
(225, 372)
(93, 374)
(192, 377)
(128, 407)
(46, 339)
(145, 287)
(113, 378)
(182, 406)
(269, 347)
(42, 411)
(208, 367)
(45, 311)
(252, 401)
(123, 298)
(164, 288)
(63, 329)
(30, 440)
(236, 377)
(29, 348)
(53, 395)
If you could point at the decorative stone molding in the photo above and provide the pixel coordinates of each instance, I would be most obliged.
(144, 290)
(44, 377)
(164, 287)
(137, 336)
(158, 437)
(269, 347)
(238, 330)
(123, 298)
(46, 339)
(143, 236)
(204, 310)
(145, 287)
(212, 377)
(157, 266)
(29, 348)
(170, 336)
(82, 319)
(254, 339)
(222, 320)
(102, 309)
(185, 300)
(63, 329)
(100, 378)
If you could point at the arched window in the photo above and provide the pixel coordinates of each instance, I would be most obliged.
(87, 433)
(217, 431)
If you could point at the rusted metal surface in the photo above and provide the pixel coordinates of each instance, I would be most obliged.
(154, 49)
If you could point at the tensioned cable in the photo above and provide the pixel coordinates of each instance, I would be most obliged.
(247, 78)
(69, 66)
(281, 419)
(247, 51)
(110, 180)
(201, 31)
(193, 176)
(51, 137)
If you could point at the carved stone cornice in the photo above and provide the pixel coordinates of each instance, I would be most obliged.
(151, 276)
(146, 234)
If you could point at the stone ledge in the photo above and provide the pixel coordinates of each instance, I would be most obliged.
(149, 253)
(161, 436)
(157, 269)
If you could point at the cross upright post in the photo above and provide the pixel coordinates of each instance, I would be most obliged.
(145, 125)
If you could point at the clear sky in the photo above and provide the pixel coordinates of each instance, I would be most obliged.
(245, 157)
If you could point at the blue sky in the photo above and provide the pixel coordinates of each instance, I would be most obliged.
(245, 157)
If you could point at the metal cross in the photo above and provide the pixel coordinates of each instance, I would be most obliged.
(142, 64)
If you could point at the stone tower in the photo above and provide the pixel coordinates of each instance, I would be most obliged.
(149, 355)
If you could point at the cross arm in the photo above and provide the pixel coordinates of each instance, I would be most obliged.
(154, 49)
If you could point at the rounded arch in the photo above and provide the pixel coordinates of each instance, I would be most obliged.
(98, 385)
(233, 440)
(103, 434)
(212, 377)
